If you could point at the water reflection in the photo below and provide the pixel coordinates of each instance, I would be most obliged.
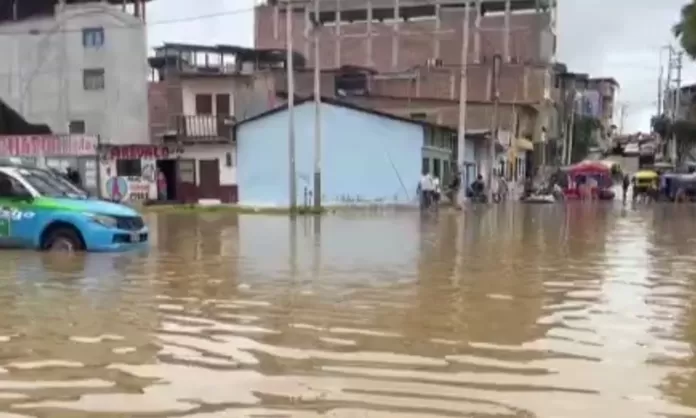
(509, 312)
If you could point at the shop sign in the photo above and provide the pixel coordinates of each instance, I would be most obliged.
(136, 152)
(47, 145)
(121, 189)
(138, 190)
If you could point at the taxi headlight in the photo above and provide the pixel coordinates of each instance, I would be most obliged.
(104, 220)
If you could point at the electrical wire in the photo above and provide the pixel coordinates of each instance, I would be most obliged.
(126, 26)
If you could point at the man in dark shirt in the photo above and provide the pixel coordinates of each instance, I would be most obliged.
(74, 177)
(454, 186)
(477, 187)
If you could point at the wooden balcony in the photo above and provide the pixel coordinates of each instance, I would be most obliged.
(201, 128)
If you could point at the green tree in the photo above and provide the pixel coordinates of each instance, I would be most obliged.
(685, 29)
(584, 137)
(684, 132)
(661, 125)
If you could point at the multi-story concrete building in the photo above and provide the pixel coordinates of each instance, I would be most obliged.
(398, 35)
(198, 92)
(584, 96)
(607, 90)
(78, 66)
(409, 51)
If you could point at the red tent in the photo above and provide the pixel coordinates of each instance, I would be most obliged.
(589, 167)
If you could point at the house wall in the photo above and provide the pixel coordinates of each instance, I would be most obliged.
(228, 174)
(365, 158)
(445, 112)
(42, 71)
(213, 86)
(144, 186)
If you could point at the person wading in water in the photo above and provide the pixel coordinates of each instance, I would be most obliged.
(626, 184)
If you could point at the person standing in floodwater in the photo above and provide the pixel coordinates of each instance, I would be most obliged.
(426, 187)
(626, 184)
(455, 184)
(161, 186)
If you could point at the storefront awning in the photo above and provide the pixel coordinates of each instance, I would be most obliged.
(523, 144)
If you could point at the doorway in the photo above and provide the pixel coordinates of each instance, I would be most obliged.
(168, 168)
(209, 179)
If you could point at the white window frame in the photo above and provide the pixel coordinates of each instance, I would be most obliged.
(93, 38)
(93, 74)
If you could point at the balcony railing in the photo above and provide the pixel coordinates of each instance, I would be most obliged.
(203, 128)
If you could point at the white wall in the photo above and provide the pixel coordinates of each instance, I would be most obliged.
(107, 170)
(228, 175)
(366, 159)
(41, 72)
(219, 85)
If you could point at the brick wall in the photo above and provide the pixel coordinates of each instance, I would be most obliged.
(163, 99)
(528, 40)
(446, 113)
(518, 83)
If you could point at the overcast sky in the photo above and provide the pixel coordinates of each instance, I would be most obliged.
(606, 38)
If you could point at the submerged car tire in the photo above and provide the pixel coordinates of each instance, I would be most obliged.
(63, 239)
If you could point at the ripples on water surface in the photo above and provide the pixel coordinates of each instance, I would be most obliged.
(510, 312)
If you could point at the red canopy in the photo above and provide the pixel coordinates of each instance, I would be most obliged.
(589, 167)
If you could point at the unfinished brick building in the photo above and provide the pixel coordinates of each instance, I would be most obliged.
(410, 52)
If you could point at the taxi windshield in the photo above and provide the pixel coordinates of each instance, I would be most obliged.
(47, 184)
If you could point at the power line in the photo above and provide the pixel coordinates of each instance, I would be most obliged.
(131, 26)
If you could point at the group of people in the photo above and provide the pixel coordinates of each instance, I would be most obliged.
(430, 189)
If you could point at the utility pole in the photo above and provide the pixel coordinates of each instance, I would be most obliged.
(571, 136)
(622, 117)
(660, 76)
(463, 85)
(677, 102)
(669, 103)
(672, 94)
(317, 111)
(495, 87)
(290, 70)
(568, 156)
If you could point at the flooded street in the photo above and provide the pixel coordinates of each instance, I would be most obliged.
(520, 311)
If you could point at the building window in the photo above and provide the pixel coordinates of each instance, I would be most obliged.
(425, 165)
(76, 127)
(204, 104)
(222, 104)
(129, 168)
(436, 168)
(351, 84)
(93, 79)
(93, 37)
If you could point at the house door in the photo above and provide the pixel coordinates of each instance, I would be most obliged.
(222, 112)
(186, 181)
(209, 171)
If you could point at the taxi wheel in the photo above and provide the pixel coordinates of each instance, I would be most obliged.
(65, 240)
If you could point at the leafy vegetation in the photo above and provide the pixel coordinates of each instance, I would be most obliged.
(685, 29)
(684, 132)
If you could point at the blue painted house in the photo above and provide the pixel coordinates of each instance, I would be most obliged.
(368, 157)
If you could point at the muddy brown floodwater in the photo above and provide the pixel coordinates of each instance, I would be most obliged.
(520, 311)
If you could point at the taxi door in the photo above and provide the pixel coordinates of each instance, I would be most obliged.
(18, 223)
